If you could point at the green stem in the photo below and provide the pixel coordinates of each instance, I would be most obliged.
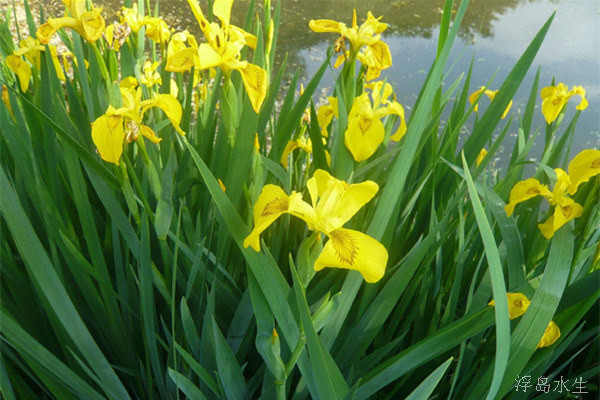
(296, 354)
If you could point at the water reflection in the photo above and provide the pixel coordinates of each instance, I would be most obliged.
(495, 32)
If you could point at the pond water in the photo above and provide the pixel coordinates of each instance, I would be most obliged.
(494, 32)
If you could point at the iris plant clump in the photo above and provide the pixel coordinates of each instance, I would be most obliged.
(181, 218)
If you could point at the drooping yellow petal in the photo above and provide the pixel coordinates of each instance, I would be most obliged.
(270, 205)
(525, 190)
(563, 213)
(582, 167)
(372, 73)
(579, 90)
(551, 335)
(350, 249)
(363, 136)
(518, 303)
(56, 63)
(551, 108)
(183, 60)
(255, 82)
(378, 56)
(170, 106)
(246, 38)
(21, 68)
(481, 156)
(325, 114)
(397, 109)
(289, 147)
(340, 60)
(326, 25)
(473, 97)
(147, 132)
(108, 136)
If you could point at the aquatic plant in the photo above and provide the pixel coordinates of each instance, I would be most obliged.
(171, 228)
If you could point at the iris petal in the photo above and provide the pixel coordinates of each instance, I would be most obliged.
(255, 82)
(108, 136)
(582, 167)
(551, 335)
(525, 190)
(350, 249)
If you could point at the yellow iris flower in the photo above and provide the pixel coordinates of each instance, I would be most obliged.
(123, 125)
(365, 130)
(584, 165)
(151, 76)
(222, 50)
(518, 303)
(305, 145)
(133, 19)
(551, 335)
(334, 202)
(364, 40)
(89, 24)
(157, 29)
(325, 114)
(31, 48)
(554, 99)
(491, 94)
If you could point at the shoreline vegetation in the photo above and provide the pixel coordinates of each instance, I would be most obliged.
(177, 222)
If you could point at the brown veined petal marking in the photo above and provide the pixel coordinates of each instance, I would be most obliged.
(354, 250)
(344, 245)
(271, 203)
(275, 206)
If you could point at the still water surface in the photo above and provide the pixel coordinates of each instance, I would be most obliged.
(494, 32)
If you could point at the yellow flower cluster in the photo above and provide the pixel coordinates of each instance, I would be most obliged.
(222, 50)
(30, 48)
(584, 165)
(518, 303)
